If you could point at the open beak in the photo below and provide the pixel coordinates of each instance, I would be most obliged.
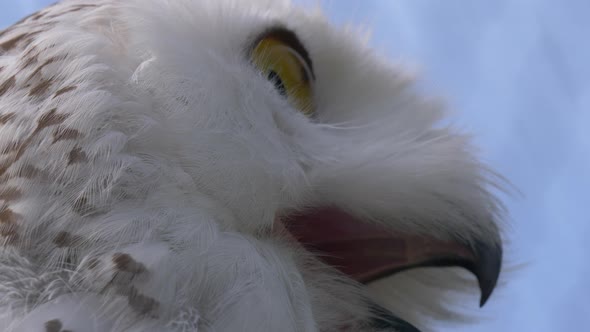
(366, 252)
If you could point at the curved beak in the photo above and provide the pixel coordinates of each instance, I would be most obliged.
(367, 252)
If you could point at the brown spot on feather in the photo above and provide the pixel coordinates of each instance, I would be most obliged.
(8, 224)
(77, 156)
(53, 325)
(28, 172)
(4, 118)
(62, 134)
(10, 194)
(11, 43)
(30, 61)
(50, 118)
(9, 83)
(140, 303)
(4, 167)
(47, 119)
(47, 62)
(37, 16)
(66, 239)
(41, 87)
(30, 51)
(7, 216)
(9, 240)
(64, 90)
(8, 230)
(11, 147)
(7, 45)
(124, 262)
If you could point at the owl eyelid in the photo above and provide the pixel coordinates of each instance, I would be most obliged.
(307, 72)
(290, 39)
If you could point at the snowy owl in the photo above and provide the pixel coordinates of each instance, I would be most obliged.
(200, 165)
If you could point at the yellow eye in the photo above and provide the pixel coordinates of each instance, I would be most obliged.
(287, 70)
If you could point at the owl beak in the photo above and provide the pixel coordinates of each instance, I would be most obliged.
(367, 252)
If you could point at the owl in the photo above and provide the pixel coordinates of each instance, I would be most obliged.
(200, 165)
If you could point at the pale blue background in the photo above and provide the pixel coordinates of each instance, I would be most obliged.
(516, 72)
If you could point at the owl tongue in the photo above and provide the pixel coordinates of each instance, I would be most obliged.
(366, 251)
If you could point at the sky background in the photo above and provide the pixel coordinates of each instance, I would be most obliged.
(516, 73)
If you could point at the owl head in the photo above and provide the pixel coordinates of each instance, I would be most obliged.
(308, 184)
(322, 149)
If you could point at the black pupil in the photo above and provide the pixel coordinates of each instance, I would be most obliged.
(279, 85)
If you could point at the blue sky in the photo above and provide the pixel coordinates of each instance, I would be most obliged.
(517, 74)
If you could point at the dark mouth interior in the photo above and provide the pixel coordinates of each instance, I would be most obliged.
(367, 252)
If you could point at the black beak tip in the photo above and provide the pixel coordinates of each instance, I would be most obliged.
(487, 269)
